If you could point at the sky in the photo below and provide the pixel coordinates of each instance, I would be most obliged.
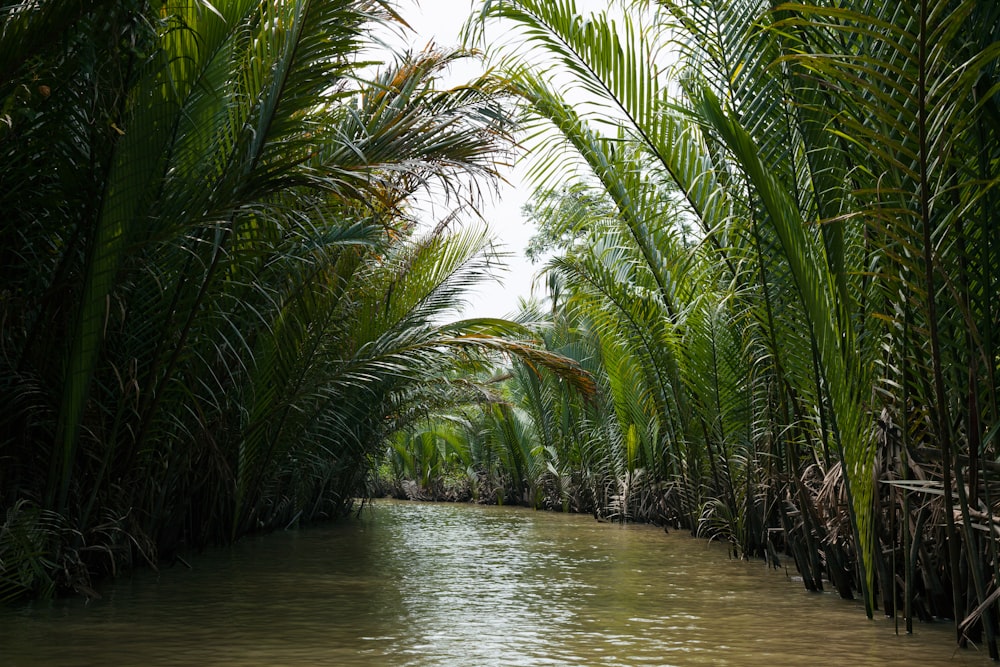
(440, 21)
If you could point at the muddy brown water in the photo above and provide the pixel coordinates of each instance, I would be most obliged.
(460, 585)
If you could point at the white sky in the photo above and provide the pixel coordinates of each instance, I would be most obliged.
(440, 21)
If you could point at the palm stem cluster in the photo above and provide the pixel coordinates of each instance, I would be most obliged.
(778, 258)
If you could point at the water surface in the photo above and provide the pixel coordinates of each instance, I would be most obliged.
(459, 585)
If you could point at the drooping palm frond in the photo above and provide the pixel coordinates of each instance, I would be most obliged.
(844, 373)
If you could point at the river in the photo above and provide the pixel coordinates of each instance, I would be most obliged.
(461, 585)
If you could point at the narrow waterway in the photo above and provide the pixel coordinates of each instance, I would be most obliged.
(459, 585)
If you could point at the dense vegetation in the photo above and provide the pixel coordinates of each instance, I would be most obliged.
(772, 236)
(216, 302)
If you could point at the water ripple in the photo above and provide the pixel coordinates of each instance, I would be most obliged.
(426, 585)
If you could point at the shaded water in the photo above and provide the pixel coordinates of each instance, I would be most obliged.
(433, 584)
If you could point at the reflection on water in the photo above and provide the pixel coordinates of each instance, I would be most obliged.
(432, 584)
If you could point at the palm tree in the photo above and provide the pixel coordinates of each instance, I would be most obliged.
(839, 163)
(217, 303)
